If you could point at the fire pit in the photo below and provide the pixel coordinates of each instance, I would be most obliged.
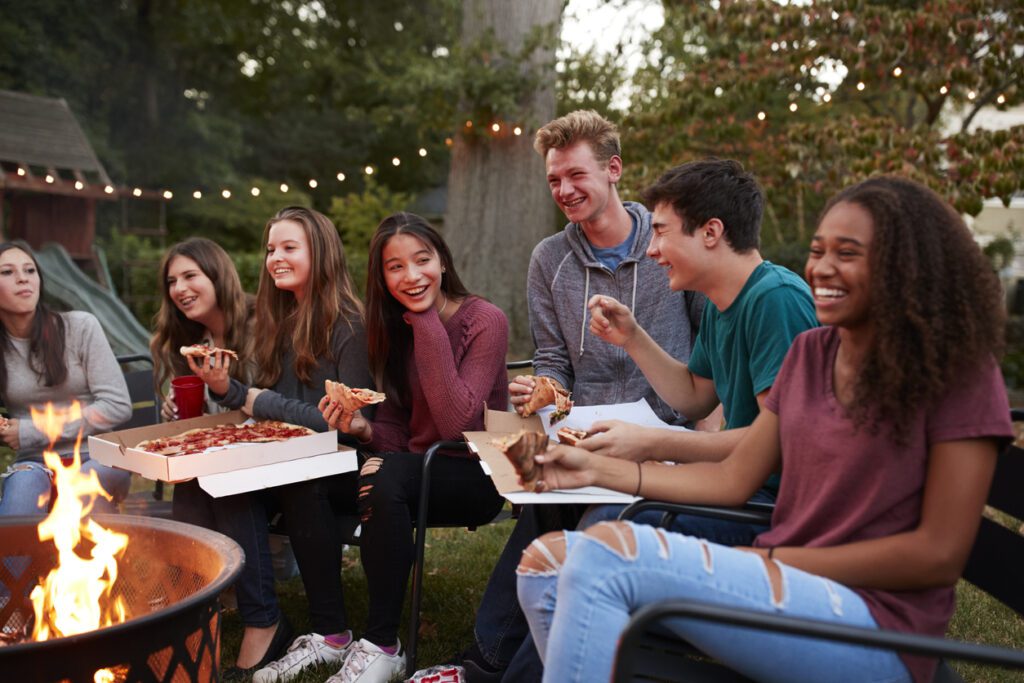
(169, 578)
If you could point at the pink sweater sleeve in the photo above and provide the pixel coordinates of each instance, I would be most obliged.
(456, 393)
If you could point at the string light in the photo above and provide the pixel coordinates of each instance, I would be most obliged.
(49, 178)
(971, 95)
(368, 170)
(423, 152)
(1001, 99)
(168, 194)
(226, 194)
(284, 188)
(79, 185)
(109, 189)
(827, 97)
(449, 142)
(943, 90)
(517, 130)
(496, 127)
(469, 124)
(137, 192)
(793, 107)
(312, 183)
(860, 85)
(197, 195)
(21, 171)
(341, 177)
(255, 192)
(761, 116)
(395, 161)
(897, 72)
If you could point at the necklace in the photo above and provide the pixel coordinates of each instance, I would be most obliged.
(443, 306)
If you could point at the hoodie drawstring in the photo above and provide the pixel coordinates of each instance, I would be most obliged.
(586, 298)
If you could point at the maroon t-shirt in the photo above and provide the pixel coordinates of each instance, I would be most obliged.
(841, 484)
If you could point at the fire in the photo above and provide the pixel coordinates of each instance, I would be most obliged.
(75, 597)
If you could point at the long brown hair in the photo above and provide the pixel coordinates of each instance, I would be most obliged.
(306, 325)
(388, 338)
(936, 303)
(46, 338)
(172, 329)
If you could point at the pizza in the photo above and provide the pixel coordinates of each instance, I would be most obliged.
(520, 448)
(198, 440)
(545, 392)
(570, 436)
(203, 351)
(351, 399)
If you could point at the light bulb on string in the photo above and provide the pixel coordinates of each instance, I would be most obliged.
(226, 194)
(284, 188)
(137, 192)
(79, 185)
(761, 116)
(21, 171)
(897, 72)
(1001, 99)
(793, 106)
(368, 170)
(395, 161)
(423, 152)
(49, 178)
(109, 189)
(517, 131)
(168, 194)
(312, 183)
(496, 127)
(971, 95)
(197, 195)
(943, 90)
(827, 97)
(255, 192)
(861, 86)
(341, 177)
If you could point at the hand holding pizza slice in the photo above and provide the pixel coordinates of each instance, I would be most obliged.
(520, 448)
(545, 392)
(202, 351)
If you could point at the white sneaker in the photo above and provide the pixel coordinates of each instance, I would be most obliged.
(308, 650)
(367, 663)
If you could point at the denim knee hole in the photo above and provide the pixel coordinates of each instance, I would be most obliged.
(835, 600)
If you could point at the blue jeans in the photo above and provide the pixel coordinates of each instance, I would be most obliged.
(27, 487)
(577, 612)
(501, 631)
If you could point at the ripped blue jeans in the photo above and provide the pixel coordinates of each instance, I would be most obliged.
(577, 610)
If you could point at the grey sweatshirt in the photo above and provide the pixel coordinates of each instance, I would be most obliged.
(292, 400)
(94, 379)
(563, 275)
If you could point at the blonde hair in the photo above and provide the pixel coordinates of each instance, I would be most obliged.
(582, 125)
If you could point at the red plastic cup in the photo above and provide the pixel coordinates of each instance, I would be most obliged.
(188, 396)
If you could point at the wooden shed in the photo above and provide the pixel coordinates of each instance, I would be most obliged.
(50, 177)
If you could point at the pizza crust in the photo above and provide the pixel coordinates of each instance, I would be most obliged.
(520, 448)
(352, 399)
(202, 351)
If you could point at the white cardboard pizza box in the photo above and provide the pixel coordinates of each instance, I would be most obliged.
(117, 449)
(500, 423)
(279, 473)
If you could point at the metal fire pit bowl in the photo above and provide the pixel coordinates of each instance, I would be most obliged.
(169, 576)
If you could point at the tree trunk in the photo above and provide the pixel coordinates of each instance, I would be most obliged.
(498, 203)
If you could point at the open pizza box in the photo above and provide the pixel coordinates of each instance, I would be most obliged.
(500, 423)
(224, 471)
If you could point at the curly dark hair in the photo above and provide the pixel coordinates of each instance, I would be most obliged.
(936, 303)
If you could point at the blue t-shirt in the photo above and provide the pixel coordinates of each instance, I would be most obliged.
(741, 348)
(611, 257)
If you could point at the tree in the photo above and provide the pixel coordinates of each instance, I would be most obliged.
(498, 204)
(816, 97)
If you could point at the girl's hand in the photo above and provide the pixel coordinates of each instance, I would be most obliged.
(250, 399)
(169, 409)
(214, 371)
(9, 434)
(565, 467)
(520, 390)
(617, 439)
(348, 422)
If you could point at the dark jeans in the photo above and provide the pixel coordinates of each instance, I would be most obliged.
(502, 633)
(312, 529)
(460, 493)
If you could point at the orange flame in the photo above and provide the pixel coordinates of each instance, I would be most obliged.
(75, 596)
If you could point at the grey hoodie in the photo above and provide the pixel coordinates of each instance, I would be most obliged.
(563, 275)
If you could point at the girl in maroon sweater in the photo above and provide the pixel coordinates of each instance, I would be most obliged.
(438, 353)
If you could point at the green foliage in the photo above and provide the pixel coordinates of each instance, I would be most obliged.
(835, 108)
(357, 216)
(1000, 252)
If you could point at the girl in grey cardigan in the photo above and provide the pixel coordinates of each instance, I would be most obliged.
(54, 358)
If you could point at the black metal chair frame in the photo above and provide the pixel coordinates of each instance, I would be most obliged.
(647, 651)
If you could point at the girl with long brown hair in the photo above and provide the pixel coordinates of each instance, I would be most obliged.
(438, 353)
(307, 329)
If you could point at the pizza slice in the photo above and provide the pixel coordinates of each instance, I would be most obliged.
(202, 351)
(545, 392)
(570, 436)
(351, 399)
(520, 448)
